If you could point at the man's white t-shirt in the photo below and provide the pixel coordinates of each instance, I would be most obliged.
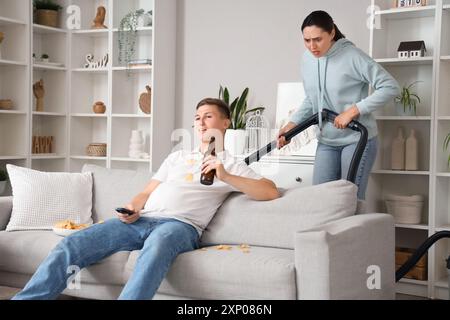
(181, 195)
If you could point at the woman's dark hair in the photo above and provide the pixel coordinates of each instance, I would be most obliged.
(322, 20)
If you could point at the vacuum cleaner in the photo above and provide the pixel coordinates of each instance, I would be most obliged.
(330, 116)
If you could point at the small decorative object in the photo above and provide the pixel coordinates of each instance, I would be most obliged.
(145, 100)
(45, 58)
(99, 107)
(235, 134)
(34, 57)
(412, 152)
(411, 49)
(136, 144)
(258, 132)
(3, 181)
(2, 36)
(410, 3)
(6, 104)
(47, 12)
(406, 103)
(446, 143)
(419, 271)
(42, 144)
(100, 19)
(96, 150)
(39, 92)
(127, 35)
(398, 152)
(405, 209)
(140, 63)
(91, 64)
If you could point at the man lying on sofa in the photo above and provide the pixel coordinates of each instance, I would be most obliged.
(176, 209)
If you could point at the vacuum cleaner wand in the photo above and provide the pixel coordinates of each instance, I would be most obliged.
(329, 116)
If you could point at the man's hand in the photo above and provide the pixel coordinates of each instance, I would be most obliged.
(281, 142)
(211, 163)
(125, 218)
(342, 121)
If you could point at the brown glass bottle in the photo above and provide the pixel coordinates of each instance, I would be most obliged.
(208, 178)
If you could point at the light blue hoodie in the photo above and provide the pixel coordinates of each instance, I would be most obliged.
(339, 80)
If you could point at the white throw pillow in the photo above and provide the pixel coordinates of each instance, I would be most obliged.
(40, 199)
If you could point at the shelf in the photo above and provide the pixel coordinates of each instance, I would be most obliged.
(133, 69)
(118, 115)
(443, 228)
(129, 159)
(405, 62)
(86, 70)
(446, 7)
(444, 118)
(442, 283)
(445, 58)
(443, 174)
(47, 157)
(398, 172)
(92, 32)
(41, 29)
(407, 13)
(87, 158)
(12, 63)
(48, 67)
(412, 281)
(12, 157)
(403, 118)
(140, 30)
(89, 115)
(12, 112)
(412, 226)
(8, 22)
(51, 114)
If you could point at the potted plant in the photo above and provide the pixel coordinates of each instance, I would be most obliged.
(45, 58)
(406, 103)
(47, 12)
(235, 134)
(128, 33)
(3, 180)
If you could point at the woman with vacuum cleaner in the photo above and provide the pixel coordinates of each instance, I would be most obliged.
(337, 76)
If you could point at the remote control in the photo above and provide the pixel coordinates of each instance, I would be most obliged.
(125, 211)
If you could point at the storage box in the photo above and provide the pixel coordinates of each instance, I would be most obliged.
(419, 271)
(405, 209)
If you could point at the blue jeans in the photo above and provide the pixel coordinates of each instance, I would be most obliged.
(332, 163)
(160, 241)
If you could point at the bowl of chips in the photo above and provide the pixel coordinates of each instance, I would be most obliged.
(67, 227)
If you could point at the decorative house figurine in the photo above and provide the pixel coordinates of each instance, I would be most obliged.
(411, 49)
(100, 19)
(39, 92)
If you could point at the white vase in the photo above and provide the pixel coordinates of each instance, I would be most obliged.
(412, 152)
(235, 141)
(137, 145)
(398, 152)
(2, 187)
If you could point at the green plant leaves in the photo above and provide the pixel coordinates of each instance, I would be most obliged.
(407, 99)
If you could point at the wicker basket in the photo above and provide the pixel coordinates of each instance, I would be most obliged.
(96, 150)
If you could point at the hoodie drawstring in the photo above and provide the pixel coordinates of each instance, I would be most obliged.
(321, 88)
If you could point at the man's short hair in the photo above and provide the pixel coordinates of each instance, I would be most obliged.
(224, 109)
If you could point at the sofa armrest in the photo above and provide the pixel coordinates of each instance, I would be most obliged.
(351, 258)
(5, 211)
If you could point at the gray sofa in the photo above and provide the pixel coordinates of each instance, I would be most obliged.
(308, 244)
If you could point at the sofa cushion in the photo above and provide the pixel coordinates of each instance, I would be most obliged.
(40, 199)
(23, 251)
(274, 223)
(262, 273)
(114, 188)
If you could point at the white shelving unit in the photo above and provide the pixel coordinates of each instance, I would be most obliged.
(71, 90)
(432, 123)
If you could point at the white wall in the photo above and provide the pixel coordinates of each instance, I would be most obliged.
(249, 43)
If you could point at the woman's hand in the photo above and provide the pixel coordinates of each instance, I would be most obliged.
(343, 120)
(281, 142)
(125, 218)
(212, 163)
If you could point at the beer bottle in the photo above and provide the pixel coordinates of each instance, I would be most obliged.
(208, 178)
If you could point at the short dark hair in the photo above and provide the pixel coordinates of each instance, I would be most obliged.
(322, 20)
(224, 109)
